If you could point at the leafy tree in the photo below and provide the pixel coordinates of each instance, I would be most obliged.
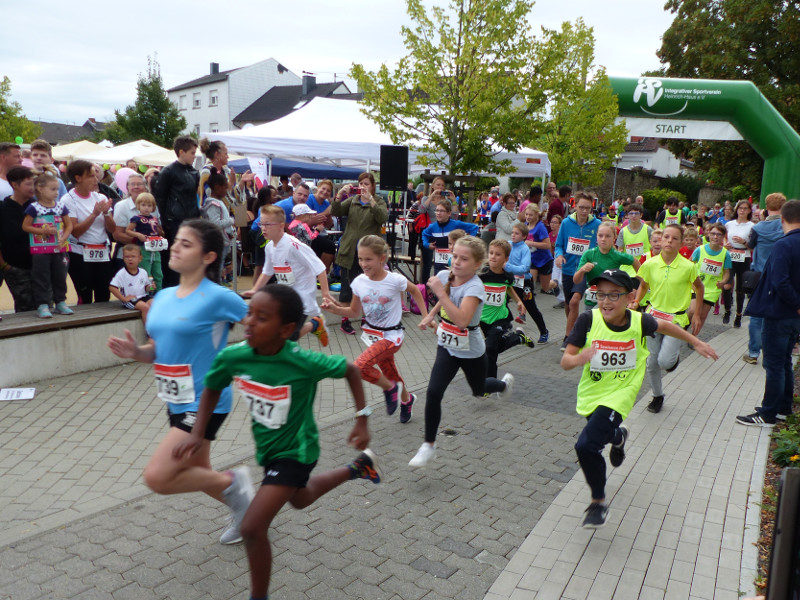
(688, 185)
(655, 199)
(474, 81)
(152, 117)
(755, 40)
(13, 123)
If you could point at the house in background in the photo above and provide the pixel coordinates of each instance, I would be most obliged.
(63, 133)
(650, 154)
(259, 93)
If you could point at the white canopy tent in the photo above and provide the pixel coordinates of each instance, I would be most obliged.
(121, 154)
(70, 151)
(337, 132)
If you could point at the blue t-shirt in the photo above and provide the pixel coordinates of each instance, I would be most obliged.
(192, 330)
(314, 204)
(539, 256)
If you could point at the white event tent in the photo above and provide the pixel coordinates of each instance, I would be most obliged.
(336, 132)
(138, 150)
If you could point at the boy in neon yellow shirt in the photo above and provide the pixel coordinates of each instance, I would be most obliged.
(609, 342)
(670, 279)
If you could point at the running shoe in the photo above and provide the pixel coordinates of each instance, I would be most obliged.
(617, 453)
(524, 339)
(655, 404)
(43, 312)
(559, 305)
(320, 331)
(425, 454)
(726, 318)
(237, 496)
(544, 338)
(675, 366)
(392, 396)
(750, 360)
(556, 290)
(779, 416)
(756, 420)
(595, 516)
(365, 466)
(520, 319)
(508, 379)
(564, 344)
(63, 309)
(405, 409)
(716, 310)
(347, 327)
(737, 322)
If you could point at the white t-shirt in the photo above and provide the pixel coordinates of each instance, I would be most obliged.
(131, 285)
(741, 230)
(294, 263)
(5, 189)
(80, 209)
(382, 302)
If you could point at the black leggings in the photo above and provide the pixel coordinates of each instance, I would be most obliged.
(737, 275)
(91, 279)
(445, 368)
(499, 338)
(602, 427)
(529, 300)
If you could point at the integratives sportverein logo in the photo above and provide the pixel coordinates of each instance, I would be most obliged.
(659, 99)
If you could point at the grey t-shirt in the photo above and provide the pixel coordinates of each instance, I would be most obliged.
(473, 287)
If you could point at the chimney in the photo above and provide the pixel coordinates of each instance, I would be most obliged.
(309, 83)
(214, 68)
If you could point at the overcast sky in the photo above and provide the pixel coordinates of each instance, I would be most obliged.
(71, 61)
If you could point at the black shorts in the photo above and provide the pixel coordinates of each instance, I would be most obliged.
(709, 302)
(566, 285)
(323, 244)
(185, 422)
(577, 288)
(286, 471)
(545, 269)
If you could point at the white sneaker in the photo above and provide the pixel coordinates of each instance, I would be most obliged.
(238, 497)
(424, 455)
(508, 379)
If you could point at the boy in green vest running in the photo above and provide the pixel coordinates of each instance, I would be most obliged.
(609, 342)
(634, 238)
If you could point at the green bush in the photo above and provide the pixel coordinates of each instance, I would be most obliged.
(686, 184)
(740, 192)
(654, 199)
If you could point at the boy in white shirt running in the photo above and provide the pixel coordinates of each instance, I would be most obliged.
(293, 263)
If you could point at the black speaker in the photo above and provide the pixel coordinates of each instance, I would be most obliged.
(394, 168)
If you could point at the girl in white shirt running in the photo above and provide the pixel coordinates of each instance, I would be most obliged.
(379, 295)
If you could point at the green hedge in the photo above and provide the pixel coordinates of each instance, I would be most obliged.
(654, 199)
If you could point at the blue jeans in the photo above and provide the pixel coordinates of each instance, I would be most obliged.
(754, 343)
(781, 335)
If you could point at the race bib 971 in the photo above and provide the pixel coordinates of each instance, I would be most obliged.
(452, 337)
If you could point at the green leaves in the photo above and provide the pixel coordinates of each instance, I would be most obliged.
(13, 122)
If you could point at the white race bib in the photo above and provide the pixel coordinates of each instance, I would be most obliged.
(175, 383)
(577, 246)
(370, 336)
(737, 255)
(669, 220)
(155, 244)
(664, 316)
(452, 337)
(284, 275)
(442, 256)
(613, 356)
(269, 406)
(519, 281)
(635, 249)
(495, 294)
(95, 253)
(591, 294)
(711, 267)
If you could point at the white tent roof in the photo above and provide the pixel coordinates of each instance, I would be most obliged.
(120, 154)
(337, 132)
(70, 151)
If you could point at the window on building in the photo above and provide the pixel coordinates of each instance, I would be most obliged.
(213, 97)
(182, 102)
(213, 127)
(196, 100)
(196, 128)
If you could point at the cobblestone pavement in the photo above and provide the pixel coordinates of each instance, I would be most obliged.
(78, 523)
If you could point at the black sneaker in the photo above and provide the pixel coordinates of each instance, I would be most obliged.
(347, 327)
(756, 420)
(675, 366)
(617, 453)
(779, 416)
(737, 322)
(726, 318)
(524, 339)
(655, 404)
(365, 466)
(559, 305)
(392, 396)
(564, 345)
(595, 516)
(405, 409)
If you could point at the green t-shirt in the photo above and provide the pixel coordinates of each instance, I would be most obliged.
(670, 285)
(496, 286)
(602, 262)
(282, 419)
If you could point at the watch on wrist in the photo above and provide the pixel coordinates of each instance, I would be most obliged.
(364, 412)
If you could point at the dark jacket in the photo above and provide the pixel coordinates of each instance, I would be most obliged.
(14, 243)
(777, 295)
(175, 190)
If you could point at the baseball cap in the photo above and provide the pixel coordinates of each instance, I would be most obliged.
(302, 209)
(617, 277)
